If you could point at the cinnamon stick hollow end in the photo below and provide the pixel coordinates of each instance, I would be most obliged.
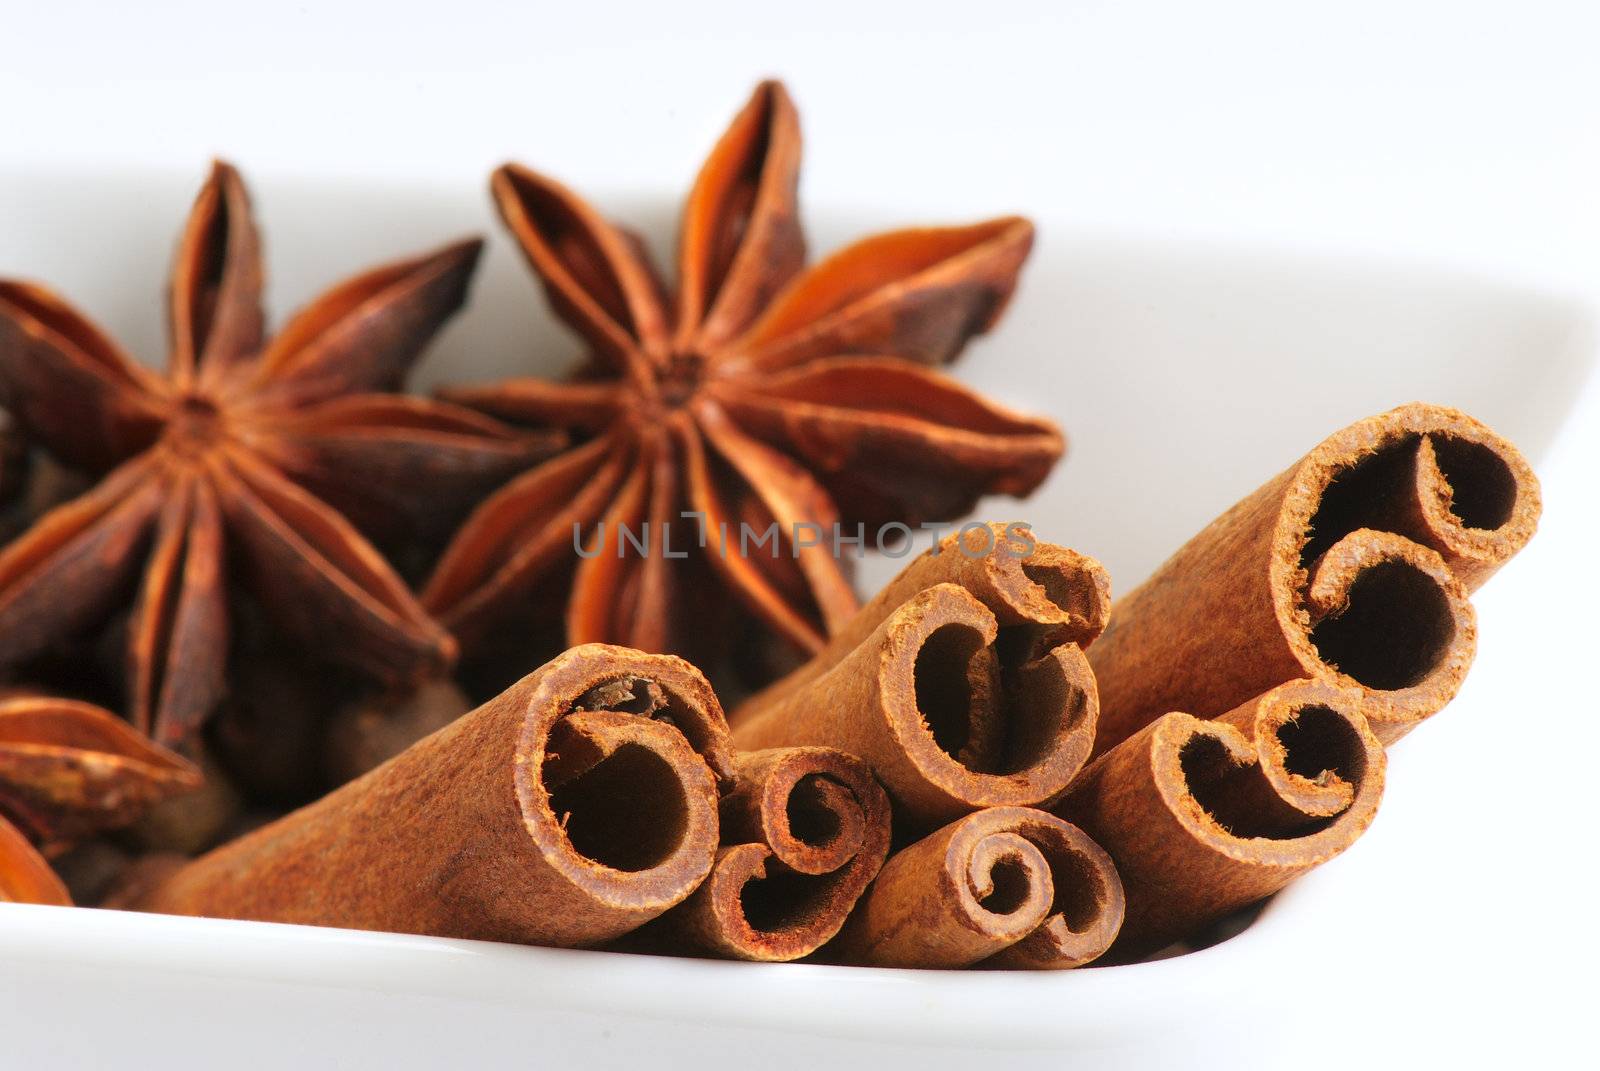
(1041, 595)
(1383, 614)
(1426, 472)
(576, 806)
(950, 719)
(807, 830)
(1007, 887)
(1385, 529)
(1353, 567)
(1203, 817)
(1055, 593)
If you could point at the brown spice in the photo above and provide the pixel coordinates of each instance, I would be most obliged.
(45, 484)
(13, 461)
(1004, 887)
(1204, 817)
(805, 830)
(568, 811)
(1353, 567)
(268, 730)
(25, 876)
(144, 873)
(761, 393)
(195, 821)
(1042, 593)
(967, 687)
(213, 471)
(92, 869)
(370, 730)
(69, 769)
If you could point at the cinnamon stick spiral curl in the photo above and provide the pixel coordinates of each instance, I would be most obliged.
(1005, 887)
(964, 683)
(574, 807)
(806, 830)
(1041, 593)
(1203, 817)
(1352, 567)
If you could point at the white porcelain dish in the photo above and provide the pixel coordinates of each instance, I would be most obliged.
(1185, 376)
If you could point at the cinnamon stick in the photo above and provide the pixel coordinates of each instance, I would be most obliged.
(1042, 593)
(963, 683)
(1353, 566)
(1203, 817)
(805, 830)
(576, 806)
(1004, 887)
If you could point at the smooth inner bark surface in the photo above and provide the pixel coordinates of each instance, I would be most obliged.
(626, 812)
(1484, 490)
(1080, 895)
(1395, 630)
(811, 820)
(1031, 700)
(1316, 742)
(782, 900)
(1011, 885)
(944, 693)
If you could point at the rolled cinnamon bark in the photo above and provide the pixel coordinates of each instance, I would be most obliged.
(962, 693)
(1203, 817)
(947, 720)
(1352, 567)
(1005, 887)
(571, 809)
(1041, 595)
(805, 830)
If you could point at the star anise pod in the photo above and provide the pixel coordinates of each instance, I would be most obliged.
(762, 392)
(13, 460)
(68, 769)
(25, 875)
(222, 470)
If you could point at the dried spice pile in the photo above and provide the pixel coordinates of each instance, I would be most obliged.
(267, 622)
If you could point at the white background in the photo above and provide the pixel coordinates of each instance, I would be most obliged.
(1463, 135)
(1459, 131)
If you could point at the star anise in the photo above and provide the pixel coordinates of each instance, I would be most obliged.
(762, 392)
(25, 875)
(223, 469)
(68, 769)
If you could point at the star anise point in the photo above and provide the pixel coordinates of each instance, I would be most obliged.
(758, 392)
(237, 463)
